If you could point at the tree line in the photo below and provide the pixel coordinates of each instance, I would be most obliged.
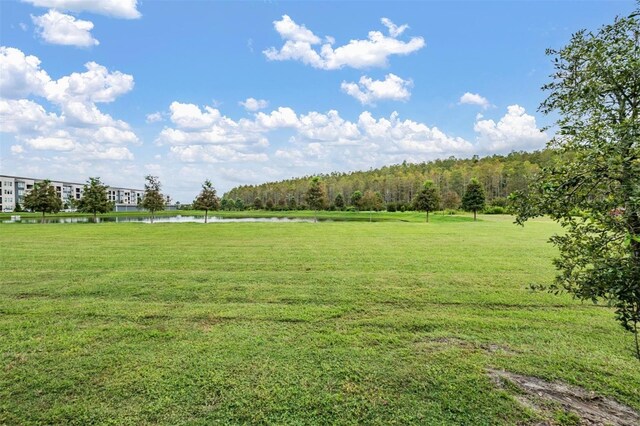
(395, 187)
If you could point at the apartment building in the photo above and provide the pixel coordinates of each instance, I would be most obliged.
(14, 188)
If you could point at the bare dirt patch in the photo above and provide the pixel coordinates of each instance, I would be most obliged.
(591, 408)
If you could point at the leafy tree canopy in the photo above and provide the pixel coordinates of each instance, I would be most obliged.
(474, 197)
(207, 199)
(152, 200)
(94, 198)
(593, 190)
(43, 198)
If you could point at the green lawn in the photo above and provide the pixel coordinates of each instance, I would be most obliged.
(291, 323)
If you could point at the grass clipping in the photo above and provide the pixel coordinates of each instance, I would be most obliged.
(586, 407)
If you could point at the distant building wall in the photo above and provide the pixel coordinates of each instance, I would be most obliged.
(14, 188)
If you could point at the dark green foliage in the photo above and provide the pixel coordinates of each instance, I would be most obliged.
(392, 207)
(152, 200)
(94, 198)
(474, 197)
(339, 202)
(428, 199)
(239, 204)
(269, 204)
(207, 199)
(18, 208)
(593, 190)
(291, 203)
(257, 203)
(43, 198)
(356, 199)
(316, 196)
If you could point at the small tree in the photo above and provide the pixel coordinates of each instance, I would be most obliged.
(316, 196)
(43, 198)
(356, 199)
(94, 198)
(339, 201)
(474, 197)
(428, 199)
(207, 199)
(239, 204)
(451, 200)
(152, 200)
(257, 203)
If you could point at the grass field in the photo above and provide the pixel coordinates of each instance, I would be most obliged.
(291, 323)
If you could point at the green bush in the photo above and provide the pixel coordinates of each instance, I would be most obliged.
(392, 207)
(494, 210)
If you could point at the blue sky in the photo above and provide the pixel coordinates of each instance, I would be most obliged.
(246, 92)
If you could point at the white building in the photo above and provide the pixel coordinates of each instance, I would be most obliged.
(14, 188)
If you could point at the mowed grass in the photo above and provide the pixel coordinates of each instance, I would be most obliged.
(291, 323)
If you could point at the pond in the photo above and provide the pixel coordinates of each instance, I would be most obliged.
(146, 219)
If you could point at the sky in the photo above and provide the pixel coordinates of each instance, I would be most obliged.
(244, 92)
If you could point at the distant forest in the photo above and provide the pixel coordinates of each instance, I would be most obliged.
(398, 184)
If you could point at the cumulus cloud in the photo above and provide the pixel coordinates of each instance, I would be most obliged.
(368, 91)
(253, 105)
(474, 99)
(80, 128)
(374, 51)
(57, 28)
(516, 130)
(125, 9)
(20, 74)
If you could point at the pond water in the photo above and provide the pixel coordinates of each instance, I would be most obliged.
(161, 219)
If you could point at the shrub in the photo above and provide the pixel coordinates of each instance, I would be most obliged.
(392, 207)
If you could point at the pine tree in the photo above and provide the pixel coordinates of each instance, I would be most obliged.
(474, 197)
(316, 196)
(207, 199)
(152, 200)
(428, 199)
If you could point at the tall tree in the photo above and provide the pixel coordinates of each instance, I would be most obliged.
(451, 200)
(594, 189)
(43, 198)
(474, 197)
(339, 201)
(316, 196)
(152, 199)
(428, 199)
(94, 198)
(207, 199)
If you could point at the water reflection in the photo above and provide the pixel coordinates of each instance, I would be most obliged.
(163, 219)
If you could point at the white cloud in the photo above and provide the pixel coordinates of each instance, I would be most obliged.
(20, 74)
(81, 129)
(281, 118)
(190, 116)
(214, 154)
(372, 52)
(57, 28)
(369, 91)
(253, 105)
(394, 30)
(516, 130)
(97, 84)
(17, 149)
(154, 117)
(474, 99)
(126, 9)
(51, 143)
(289, 30)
